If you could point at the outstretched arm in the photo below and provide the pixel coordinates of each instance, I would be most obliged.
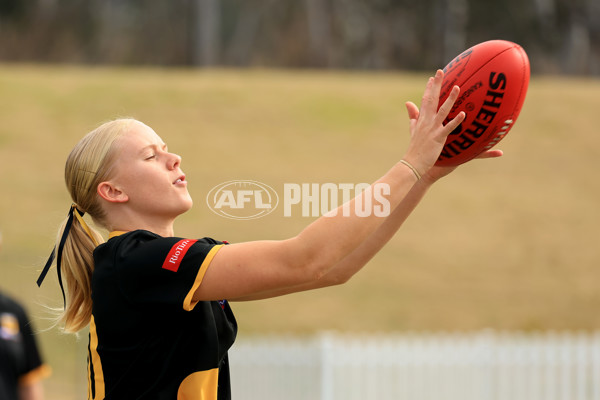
(356, 260)
(249, 269)
(360, 256)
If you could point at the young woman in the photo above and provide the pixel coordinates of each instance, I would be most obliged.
(159, 327)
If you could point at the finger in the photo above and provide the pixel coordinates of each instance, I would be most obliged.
(454, 122)
(427, 99)
(431, 97)
(413, 110)
(445, 108)
(438, 79)
(490, 154)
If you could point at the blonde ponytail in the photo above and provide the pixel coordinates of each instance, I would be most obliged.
(77, 267)
(89, 163)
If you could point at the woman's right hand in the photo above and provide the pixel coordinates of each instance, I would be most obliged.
(427, 130)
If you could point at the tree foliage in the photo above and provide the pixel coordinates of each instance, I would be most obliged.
(561, 36)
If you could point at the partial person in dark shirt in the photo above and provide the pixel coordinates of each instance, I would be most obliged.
(21, 366)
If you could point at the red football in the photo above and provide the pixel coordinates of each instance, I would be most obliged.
(493, 77)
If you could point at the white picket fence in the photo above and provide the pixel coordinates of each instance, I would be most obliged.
(480, 366)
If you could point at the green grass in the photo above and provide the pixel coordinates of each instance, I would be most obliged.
(504, 244)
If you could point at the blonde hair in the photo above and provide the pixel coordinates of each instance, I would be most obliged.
(90, 162)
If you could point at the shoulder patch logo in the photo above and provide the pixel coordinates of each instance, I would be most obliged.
(177, 253)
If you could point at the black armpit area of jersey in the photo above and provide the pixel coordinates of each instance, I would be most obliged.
(137, 262)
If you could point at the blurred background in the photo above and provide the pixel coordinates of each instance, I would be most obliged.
(491, 287)
(561, 36)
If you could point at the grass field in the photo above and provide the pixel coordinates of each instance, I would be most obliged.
(504, 244)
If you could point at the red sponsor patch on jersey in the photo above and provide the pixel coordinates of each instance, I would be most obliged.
(177, 253)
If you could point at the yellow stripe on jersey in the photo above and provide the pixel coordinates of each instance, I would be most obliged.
(115, 234)
(188, 302)
(200, 385)
(96, 364)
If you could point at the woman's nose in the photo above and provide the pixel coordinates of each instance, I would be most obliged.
(174, 161)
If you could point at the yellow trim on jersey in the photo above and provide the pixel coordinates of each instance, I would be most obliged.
(188, 302)
(35, 375)
(201, 385)
(96, 363)
(115, 234)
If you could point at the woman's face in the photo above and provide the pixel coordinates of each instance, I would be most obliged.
(149, 175)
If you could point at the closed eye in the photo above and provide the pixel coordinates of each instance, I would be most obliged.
(152, 151)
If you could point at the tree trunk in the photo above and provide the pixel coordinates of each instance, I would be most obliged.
(205, 32)
(319, 32)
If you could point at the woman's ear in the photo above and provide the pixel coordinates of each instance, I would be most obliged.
(111, 193)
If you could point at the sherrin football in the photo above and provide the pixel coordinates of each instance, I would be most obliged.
(493, 78)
